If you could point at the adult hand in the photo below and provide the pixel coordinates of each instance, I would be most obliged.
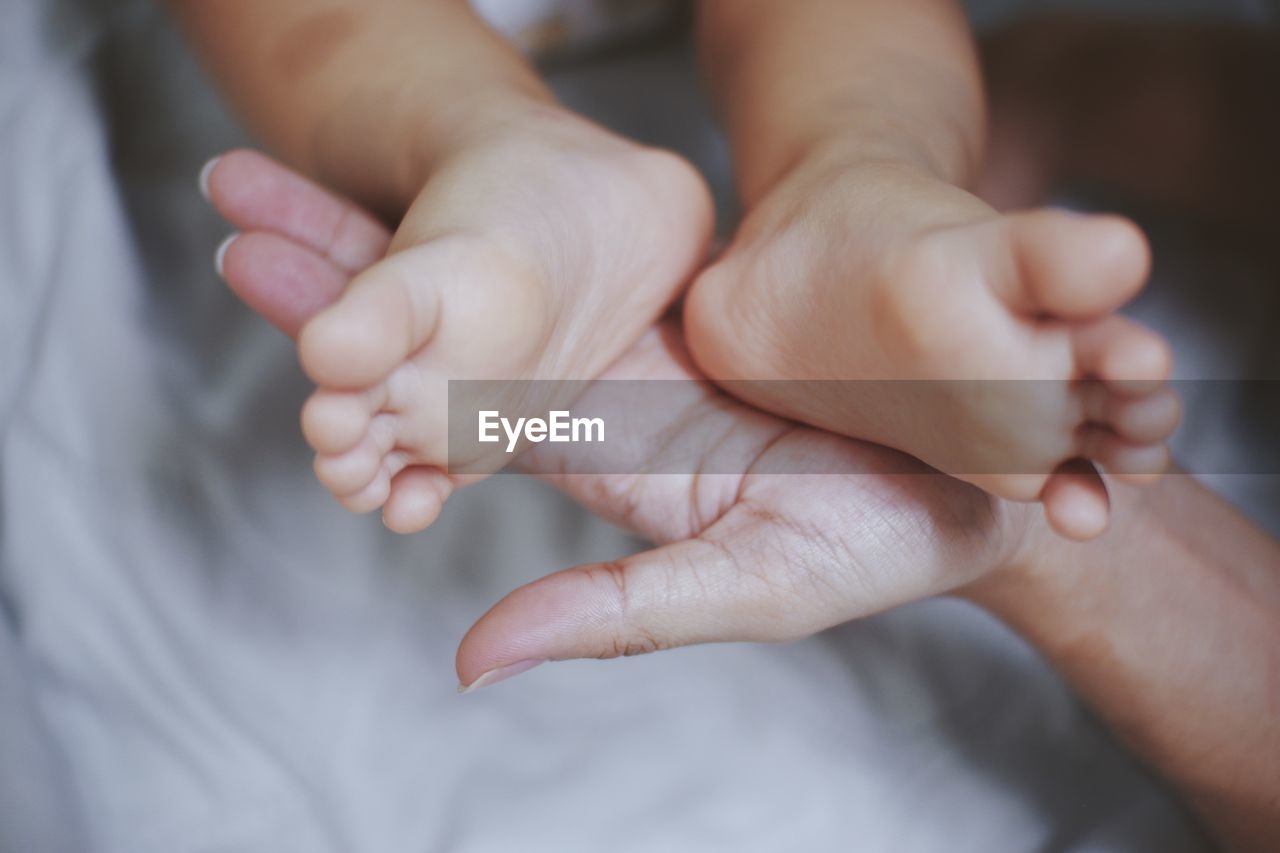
(750, 556)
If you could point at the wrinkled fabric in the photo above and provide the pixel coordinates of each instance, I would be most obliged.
(200, 652)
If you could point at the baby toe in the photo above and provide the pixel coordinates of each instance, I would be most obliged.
(1071, 266)
(375, 494)
(335, 422)
(385, 316)
(1144, 419)
(348, 473)
(1129, 357)
(370, 497)
(1130, 462)
(417, 496)
(1076, 502)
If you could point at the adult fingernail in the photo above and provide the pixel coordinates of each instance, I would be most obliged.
(222, 252)
(205, 171)
(502, 673)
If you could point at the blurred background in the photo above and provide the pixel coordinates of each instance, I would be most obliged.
(199, 651)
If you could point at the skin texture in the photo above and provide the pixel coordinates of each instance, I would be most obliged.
(866, 119)
(1169, 626)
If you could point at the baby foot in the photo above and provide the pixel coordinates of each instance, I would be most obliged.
(879, 272)
(541, 252)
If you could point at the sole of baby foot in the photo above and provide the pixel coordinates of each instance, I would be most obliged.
(952, 314)
(541, 258)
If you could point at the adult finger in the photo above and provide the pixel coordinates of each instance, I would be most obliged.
(256, 193)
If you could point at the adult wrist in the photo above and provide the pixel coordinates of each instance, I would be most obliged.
(1054, 588)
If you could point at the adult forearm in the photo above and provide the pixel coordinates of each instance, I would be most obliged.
(882, 79)
(1170, 628)
(363, 94)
